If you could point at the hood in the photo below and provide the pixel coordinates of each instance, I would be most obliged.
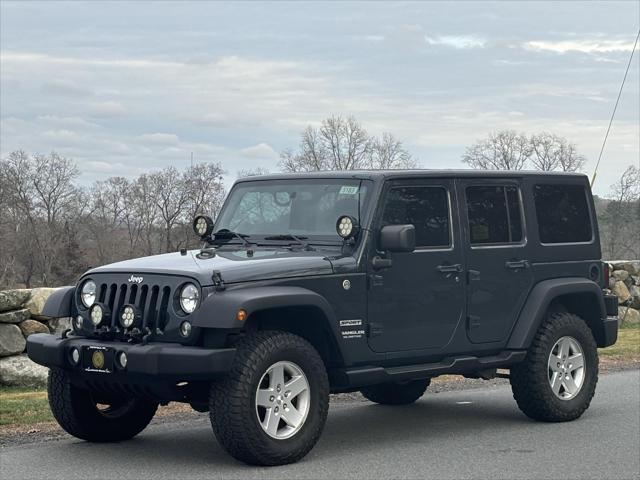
(234, 265)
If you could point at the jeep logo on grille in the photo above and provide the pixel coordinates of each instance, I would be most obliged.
(134, 279)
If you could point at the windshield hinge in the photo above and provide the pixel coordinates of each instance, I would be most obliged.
(217, 280)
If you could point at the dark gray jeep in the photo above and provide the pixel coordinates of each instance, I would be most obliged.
(311, 284)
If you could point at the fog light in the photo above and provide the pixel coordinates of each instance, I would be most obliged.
(122, 359)
(77, 322)
(129, 316)
(75, 356)
(185, 329)
(96, 314)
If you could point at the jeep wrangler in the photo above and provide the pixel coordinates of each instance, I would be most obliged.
(311, 284)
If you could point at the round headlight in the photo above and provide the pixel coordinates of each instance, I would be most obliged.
(189, 297)
(88, 293)
(96, 314)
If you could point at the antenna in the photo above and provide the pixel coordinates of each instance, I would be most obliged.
(191, 159)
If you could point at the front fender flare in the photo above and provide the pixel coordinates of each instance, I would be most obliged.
(60, 303)
(220, 308)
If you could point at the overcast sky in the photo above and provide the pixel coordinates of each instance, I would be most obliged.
(125, 87)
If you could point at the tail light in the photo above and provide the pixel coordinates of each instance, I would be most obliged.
(605, 276)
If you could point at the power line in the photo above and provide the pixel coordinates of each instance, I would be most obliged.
(593, 179)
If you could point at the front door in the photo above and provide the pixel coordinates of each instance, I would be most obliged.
(418, 301)
(498, 270)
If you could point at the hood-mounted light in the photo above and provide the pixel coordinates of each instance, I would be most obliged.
(347, 227)
(203, 226)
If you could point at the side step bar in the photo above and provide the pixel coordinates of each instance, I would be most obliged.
(363, 376)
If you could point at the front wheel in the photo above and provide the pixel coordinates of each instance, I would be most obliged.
(87, 416)
(557, 379)
(272, 406)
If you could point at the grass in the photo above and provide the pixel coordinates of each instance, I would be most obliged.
(627, 348)
(21, 406)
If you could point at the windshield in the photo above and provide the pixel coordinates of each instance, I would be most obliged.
(306, 208)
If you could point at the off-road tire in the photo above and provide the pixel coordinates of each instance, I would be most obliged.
(396, 393)
(529, 379)
(76, 412)
(232, 400)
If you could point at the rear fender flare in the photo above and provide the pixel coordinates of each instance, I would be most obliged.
(541, 298)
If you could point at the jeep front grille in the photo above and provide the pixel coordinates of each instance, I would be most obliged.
(151, 300)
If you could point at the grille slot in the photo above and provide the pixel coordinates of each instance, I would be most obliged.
(151, 300)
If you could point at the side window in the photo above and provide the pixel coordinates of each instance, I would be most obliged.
(427, 208)
(494, 214)
(562, 213)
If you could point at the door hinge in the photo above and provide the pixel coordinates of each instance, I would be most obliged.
(473, 321)
(376, 280)
(374, 330)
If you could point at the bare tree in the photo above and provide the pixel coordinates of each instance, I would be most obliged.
(503, 150)
(170, 198)
(252, 172)
(621, 217)
(343, 144)
(550, 152)
(388, 152)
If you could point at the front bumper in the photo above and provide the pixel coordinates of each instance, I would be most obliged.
(162, 361)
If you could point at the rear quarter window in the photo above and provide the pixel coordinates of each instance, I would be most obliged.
(563, 214)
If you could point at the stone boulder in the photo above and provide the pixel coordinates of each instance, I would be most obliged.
(621, 291)
(11, 340)
(36, 302)
(633, 266)
(628, 316)
(16, 316)
(19, 371)
(13, 299)
(620, 275)
(30, 327)
(59, 325)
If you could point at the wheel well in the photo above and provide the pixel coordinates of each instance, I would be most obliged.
(307, 321)
(583, 304)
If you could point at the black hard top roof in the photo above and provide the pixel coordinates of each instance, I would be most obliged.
(387, 174)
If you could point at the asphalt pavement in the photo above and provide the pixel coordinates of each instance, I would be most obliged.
(478, 433)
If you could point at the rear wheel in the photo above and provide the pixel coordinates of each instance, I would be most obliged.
(397, 393)
(557, 379)
(271, 407)
(87, 416)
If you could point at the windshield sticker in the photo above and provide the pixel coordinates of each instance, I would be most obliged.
(348, 190)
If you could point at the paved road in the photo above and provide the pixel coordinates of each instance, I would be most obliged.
(476, 433)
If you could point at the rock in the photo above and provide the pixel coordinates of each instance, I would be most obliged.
(635, 279)
(628, 316)
(633, 267)
(59, 325)
(29, 327)
(13, 299)
(621, 291)
(19, 371)
(11, 340)
(35, 304)
(620, 275)
(634, 291)
(15, 316)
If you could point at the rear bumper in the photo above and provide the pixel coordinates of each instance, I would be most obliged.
(161, 361)
(609, 332)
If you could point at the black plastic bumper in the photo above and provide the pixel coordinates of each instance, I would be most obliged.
(609, 332)
(166, 361)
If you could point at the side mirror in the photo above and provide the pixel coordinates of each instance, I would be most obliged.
(398, 238)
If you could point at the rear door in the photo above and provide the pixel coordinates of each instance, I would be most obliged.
(498, 267)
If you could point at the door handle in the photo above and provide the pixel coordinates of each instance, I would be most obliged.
(517, 264)
(457, 268)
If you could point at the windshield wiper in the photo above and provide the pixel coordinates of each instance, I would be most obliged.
(226, 233)
(289, 236)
